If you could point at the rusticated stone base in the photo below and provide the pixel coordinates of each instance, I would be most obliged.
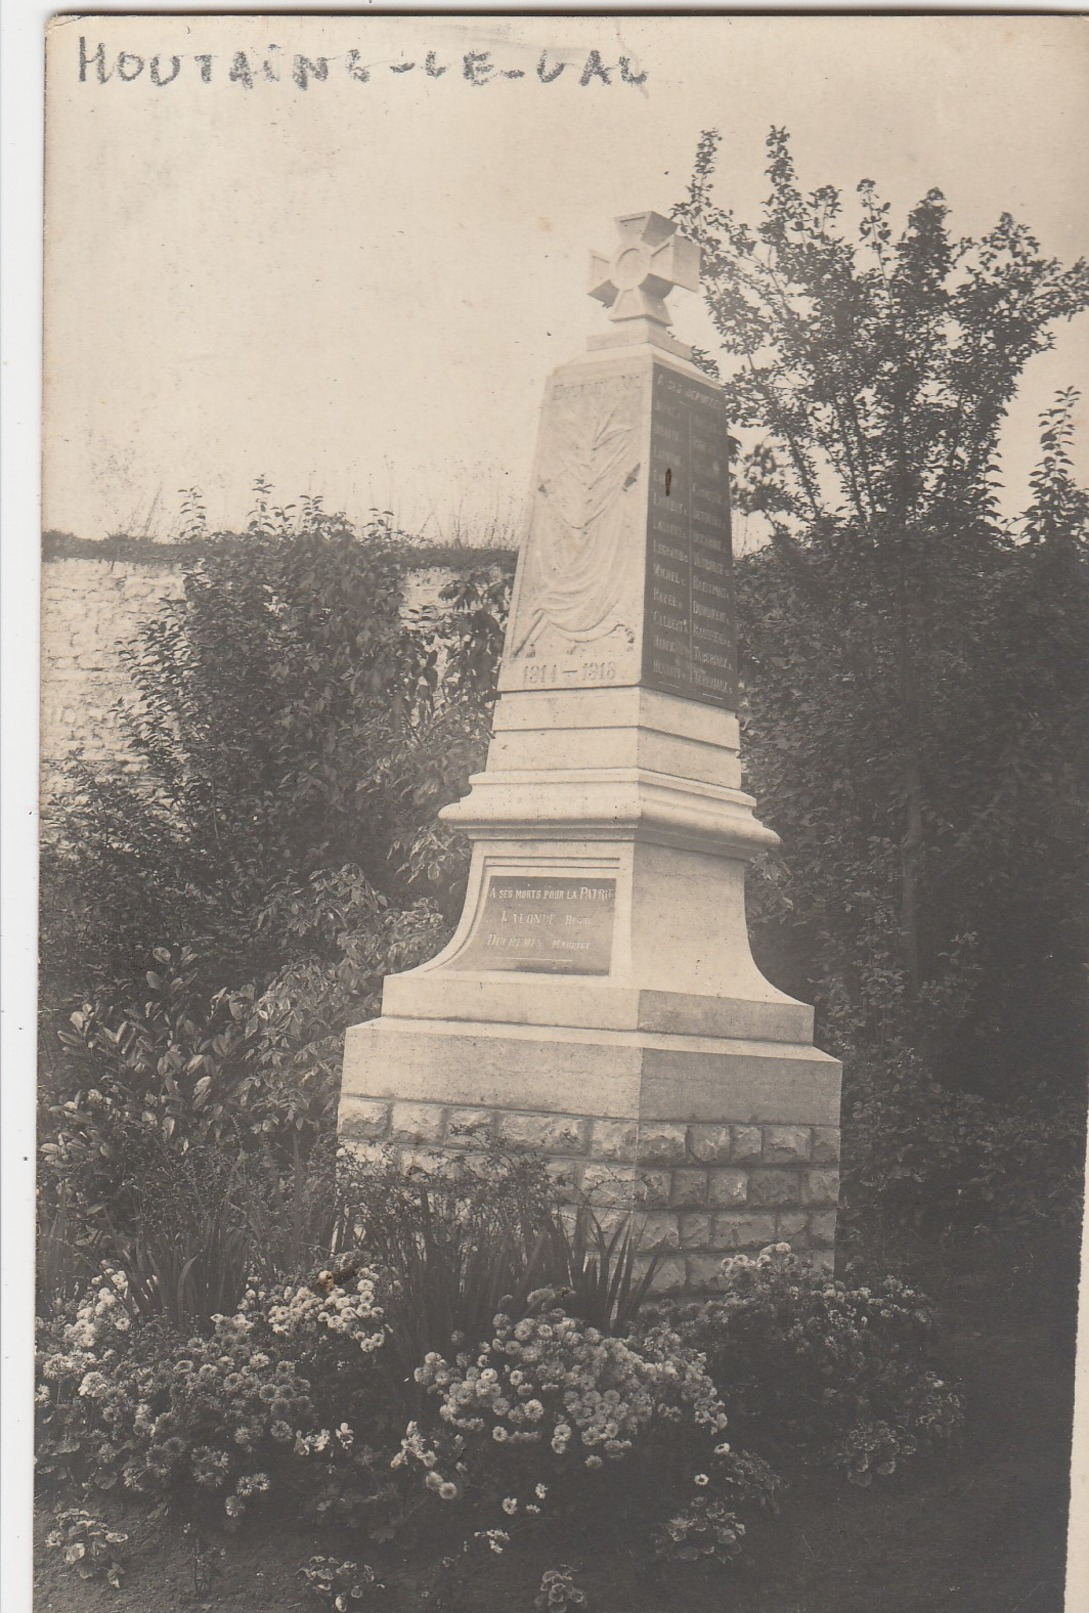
(699, 1191)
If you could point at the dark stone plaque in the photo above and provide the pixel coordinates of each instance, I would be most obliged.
(557, 926)
(690, 637)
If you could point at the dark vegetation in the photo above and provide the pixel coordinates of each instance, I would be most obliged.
(914, 720)
(177, 552)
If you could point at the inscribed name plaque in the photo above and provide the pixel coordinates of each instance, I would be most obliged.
(543, 925)
(690, 633)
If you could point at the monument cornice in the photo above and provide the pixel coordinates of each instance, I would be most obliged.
(612, 804)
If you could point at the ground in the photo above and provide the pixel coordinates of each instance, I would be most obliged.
(982, 1533)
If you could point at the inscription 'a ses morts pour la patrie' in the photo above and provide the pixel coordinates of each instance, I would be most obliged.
(543, 924)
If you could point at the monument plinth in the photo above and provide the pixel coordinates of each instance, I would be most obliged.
(599, 1001)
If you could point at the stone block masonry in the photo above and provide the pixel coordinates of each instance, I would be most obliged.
(698, 1192)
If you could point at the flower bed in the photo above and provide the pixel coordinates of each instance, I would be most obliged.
(320, 1399)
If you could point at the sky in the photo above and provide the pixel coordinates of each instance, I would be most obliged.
(358, 288)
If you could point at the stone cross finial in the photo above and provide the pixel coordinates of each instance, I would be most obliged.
(650, 260)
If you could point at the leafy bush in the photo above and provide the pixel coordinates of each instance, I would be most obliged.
(941, 1163)
(165, 1071)
(90, 1546)
(705, 1528)
(188, 1144)
(368, 720)
(235, 794)
(833, 1372)
(338, 1582)
(558, 1590)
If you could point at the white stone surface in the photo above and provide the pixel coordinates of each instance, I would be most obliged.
(611, 1074)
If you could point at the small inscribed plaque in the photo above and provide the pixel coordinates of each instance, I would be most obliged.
(544, 926)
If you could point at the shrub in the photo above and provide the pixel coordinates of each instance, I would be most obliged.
(705, 1528)
(558, 1590)
(943, 1164)
(189, 1145)
(236, 793)
(339, 1583)
(367, 722)
(548, 1406)
(834, 1372)
(174, 1061)
(220, 1419)
(91, 1547)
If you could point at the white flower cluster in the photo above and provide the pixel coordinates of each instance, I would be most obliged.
(551, 1380)
(414, 1447)
(295, 1312)
(773, 1254)
(100, 1317)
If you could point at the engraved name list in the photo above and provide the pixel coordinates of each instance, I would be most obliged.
(690, 634)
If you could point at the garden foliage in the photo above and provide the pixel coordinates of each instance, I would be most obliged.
(915, 714)
(558, 1592)
(824, 1368)
(274, 856)
(339, 1583)
(89, 1546)
(296, 733)
(299, 1403)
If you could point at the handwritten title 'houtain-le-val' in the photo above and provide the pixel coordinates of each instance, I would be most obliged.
(246, 69)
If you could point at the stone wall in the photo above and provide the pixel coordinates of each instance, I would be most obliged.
(92, 608)
(703, 1191)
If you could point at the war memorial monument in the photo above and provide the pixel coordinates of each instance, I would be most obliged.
(599, 1002)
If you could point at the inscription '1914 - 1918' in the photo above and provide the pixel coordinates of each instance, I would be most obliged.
(690, 636)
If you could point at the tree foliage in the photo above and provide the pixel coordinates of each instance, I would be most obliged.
(914, 663)
(296, 729)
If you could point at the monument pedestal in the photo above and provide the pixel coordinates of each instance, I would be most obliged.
(599, 1002)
